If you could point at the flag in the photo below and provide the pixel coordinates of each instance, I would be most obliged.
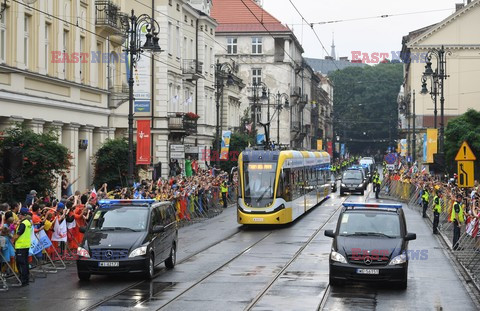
(475, 230)
(71, 225)
(94, 193)
(42, 236)
(189, 101)
(35, 245)
(60, 231)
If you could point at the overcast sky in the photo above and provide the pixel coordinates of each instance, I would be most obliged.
(382, 35)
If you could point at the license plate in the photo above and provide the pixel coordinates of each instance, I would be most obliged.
(258, 219)
(109, 264)
(368, 271)
(351, 188)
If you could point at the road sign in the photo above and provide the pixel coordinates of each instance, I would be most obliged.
(465, 174)
(390, 158)
(465, 153)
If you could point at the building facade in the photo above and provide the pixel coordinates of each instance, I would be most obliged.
(459, 37)
(270, 63)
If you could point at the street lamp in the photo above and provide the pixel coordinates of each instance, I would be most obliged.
(286, 105)
(221, 70)
(438, 77)
(134, 25)
(256, 86)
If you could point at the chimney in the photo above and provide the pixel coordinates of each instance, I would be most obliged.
(458, 6)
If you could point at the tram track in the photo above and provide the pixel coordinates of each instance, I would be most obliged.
(159, 272)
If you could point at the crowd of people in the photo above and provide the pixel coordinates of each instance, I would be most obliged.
(191, 195)
(440, 193)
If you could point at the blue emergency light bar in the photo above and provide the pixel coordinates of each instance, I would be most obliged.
(375, 205)
(125, 201)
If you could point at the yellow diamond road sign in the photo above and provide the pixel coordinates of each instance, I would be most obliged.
(465, 153)
(465, 174)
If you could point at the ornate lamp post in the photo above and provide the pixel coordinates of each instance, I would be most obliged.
(221, 70)
(286, 105)
(437, 78)
(134, 25)
(256, 86)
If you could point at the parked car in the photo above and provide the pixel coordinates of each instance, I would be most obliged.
(370, 244)
(128, 236)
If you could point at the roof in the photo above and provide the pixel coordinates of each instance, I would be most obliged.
(244, 16)
(325, 66)
(439, 26)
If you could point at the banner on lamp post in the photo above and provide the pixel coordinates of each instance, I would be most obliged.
(330, 148)
(226, 135)
(143, 142)
(319, 144)
(432, 140)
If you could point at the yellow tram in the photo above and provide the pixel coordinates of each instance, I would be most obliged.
(276, 187)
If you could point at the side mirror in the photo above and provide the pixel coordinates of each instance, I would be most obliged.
(158, 229)
(329, 233)
(82, 229)
(410, 236)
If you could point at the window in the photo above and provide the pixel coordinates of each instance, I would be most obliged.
(256, 45)
(170, 2)
(26, 40)
(83, 67)
(65, 53)
(178, 7)
(99, 67)
(47, 47)
(170, 39)
(185, 48)
(3, 37)
(177, 39)
(256, 76)
(231, 45)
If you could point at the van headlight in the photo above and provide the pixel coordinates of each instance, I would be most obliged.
(337, 257)
(81, 252)
(360, 185)
(138, 252)
(402, 258)
(343, 185)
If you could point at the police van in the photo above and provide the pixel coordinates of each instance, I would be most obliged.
(128, 236)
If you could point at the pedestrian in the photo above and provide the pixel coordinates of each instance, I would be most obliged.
(376, 184)
(224, 190)
(437, 209)
(457, 218)
(188, 167)
(22, 240)
(31, 197)
(425, 198)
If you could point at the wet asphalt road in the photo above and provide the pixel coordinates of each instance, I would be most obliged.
(237, 268)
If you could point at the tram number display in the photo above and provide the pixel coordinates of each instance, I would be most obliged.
(254, 167)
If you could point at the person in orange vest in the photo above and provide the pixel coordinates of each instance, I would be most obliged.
(458, 219)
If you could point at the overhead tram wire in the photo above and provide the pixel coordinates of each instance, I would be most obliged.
(316, 35)
(375, 17)
(271, 35)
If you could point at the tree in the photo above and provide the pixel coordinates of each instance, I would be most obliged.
(44, 159)
(365, 106)
(464, 128)
(111, 163)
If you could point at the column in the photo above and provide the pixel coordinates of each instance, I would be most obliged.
(36, 125)
(11, 122)
(85, 154)
(70, 140)
(56, 127)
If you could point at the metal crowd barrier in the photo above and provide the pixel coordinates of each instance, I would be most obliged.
(467, 251)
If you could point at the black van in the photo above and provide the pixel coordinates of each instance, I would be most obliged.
(370, 244)
(128, 236)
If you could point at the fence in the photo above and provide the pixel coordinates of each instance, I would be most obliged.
(51, 258)
(467, 251)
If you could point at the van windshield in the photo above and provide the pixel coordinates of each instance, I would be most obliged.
(132, 218)
(370, 224)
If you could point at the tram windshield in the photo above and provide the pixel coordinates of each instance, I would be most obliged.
(259, 183)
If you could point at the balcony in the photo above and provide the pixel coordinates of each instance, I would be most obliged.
(118, 95)
(108, 19)
(192, 69)
(180, 125)
(307, 129)
(302, 101)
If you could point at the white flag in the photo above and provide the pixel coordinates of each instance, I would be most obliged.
(60, 231)
(71, 225)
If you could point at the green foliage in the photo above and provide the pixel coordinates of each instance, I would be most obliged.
(111, 163)
(365, 101)
(44, 159)
(464, 128)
